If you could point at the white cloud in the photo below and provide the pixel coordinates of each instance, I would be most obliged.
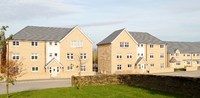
(12, 10)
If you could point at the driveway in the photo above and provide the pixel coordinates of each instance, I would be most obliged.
(195, 74)
(35, 85)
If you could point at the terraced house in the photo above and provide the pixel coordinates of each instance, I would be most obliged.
(124, 52)
(184, 55)
(50, 52)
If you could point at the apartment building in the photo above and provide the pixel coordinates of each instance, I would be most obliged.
(51, 52)
(184, 55)
(124, 52)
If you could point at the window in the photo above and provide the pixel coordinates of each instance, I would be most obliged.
(152, 65)
(70, 56)
(178, 63)
(129, 65)
(188, 62)
(177, 54)
(183, 54)
(34, 69)
(198, 62)
(69, 68)
(77, 43)
(15, 56)
(188, 54)
(15, 43)
(162, 55)
(119, 56)
(193, 54)
(83, 56)
(50, 54)
(151, 55)
(119, 67)
(58, 69)
(55, 54)
(141, 54)
(138, 54)
(161, 46)
(83, 68)
(139, 66)
(124, 44)
(162, 65)
(55, 43)
(151, 45)
(172, 54)
(197, 54)
(34, 56)
(34, 43)
(141, 45)
(129, 56)
(50, 43)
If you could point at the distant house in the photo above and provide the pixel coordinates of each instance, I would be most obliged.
(51, 52)
(184, 54)
(125, 52)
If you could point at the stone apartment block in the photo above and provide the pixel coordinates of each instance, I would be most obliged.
(124, 52)
(50, 52)
(184, 55)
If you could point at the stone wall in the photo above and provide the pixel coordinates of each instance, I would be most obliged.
(181, 85)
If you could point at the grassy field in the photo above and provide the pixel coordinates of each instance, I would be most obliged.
(108, 91)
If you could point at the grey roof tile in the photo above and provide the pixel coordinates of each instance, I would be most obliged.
(42, 33)
(183, 47)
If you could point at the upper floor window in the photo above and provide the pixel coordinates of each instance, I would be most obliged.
(124, 44)
(188, 54)
(151, 55)
(50, 55)
(152, 65)
(77, 43)
(198, 62)
(50, 43)
(15, 43)
(34, 56)
(70, 56)
(83, 56)
(119, 56)
(140, 45)
(129, 65)
(34, 69)
(197, 54)
(56, 54)
(162, 65)
(70, 68)
(83, 68)
(151, 45)
(119, 67)
(193, 54)
(15, 56)
(129, 56)
(183, 54)
(34, 43)
(55, 43)
(161, 46)
(178, 63)
(162, 55)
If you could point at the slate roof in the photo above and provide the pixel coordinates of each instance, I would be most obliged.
(42, 33)
(183, 47)
(143, 37)
(140, 37)
(110, 38)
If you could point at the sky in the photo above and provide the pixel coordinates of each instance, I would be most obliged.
(168, 20)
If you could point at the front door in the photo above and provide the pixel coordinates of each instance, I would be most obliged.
(54, 71)
(143, 67)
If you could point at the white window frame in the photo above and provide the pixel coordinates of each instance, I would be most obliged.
(76, 43)
(130, 65)
(15, 56)
(83, 68)
(129, 56)
(83, 56)
(50, 54)
(119, 67)
(162, 46)
(162, 65)
(151, 45)
(119, 56)
(34, 43)
(50, 43)
(151, 55)
(124, 44)
(162, 55)
(152, 65)
(55, 54)
(34, 56)
(35, 69)
(15, 43)
(70, 56)
(69, 68)
(178, 63)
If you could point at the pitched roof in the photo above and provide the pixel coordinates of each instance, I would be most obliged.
(183, 47)
(143, 37)
(42, 33)
(172, 60)
(110, 38)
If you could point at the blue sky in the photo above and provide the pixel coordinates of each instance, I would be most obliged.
(170, 20)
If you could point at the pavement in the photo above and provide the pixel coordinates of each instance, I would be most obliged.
(195, 74)
(27, 85)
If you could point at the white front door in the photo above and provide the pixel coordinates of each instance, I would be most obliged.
(54, 71)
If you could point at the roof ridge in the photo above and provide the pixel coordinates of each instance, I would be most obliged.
(51, 27)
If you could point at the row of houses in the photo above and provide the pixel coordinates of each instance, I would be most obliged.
(51, 52)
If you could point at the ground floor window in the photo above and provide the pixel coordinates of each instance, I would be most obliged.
(152, 65)
(162, 65)
(69, 68)
(83, 68)
(129, 65)
(198, 62)
(34, 69)
(119, 67)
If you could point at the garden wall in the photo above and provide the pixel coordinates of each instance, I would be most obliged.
(181, 85)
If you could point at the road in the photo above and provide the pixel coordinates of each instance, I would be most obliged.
(195, 74)
(35, 85)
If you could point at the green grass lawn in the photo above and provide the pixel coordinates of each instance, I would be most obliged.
(108, 91)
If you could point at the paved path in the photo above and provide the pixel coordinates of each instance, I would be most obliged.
(35, 84)
(195, 74)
